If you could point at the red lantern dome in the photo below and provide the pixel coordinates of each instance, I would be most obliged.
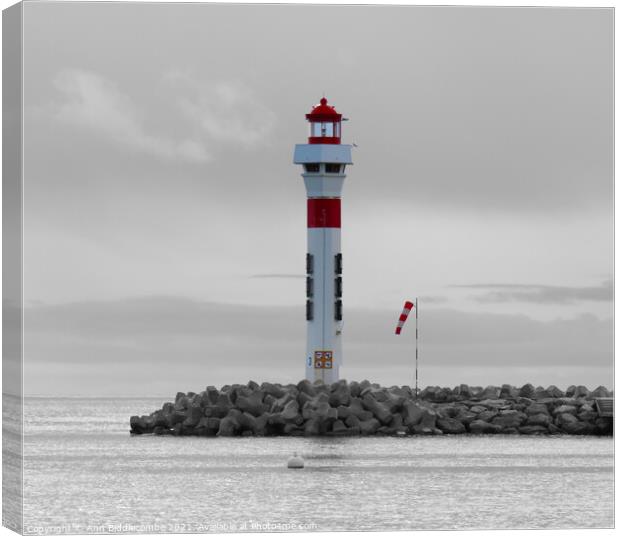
(325, 124)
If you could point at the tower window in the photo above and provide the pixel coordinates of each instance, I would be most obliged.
(338, 310)
(338, 263)
(324, 129)
(332, 168)
(309, 310)
(311, 168)
(309, 263)
(338, 287)
(309, 287)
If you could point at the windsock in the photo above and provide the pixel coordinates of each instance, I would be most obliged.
(403, 316)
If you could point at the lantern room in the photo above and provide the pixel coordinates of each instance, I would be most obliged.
(325, 124)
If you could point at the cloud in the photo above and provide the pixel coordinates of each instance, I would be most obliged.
(95, 103)
(541, 294)
(433, 299)
(225, 111)
(278, 276)
(134, 344)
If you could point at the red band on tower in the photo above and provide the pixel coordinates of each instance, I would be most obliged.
(323, 212)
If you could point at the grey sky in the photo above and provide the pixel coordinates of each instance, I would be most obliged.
(158, 148)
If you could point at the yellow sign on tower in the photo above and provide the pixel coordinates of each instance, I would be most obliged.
(323, 359)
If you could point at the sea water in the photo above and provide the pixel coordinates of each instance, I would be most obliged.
(84, 473)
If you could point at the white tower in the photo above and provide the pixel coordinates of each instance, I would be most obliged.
(324, 160)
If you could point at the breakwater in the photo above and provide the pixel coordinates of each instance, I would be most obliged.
(364, 408)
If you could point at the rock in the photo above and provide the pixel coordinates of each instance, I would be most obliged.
(212, 395)
(216, 411)
(462, 392)
(304, 386)
(412, 413)
(343, 412)
(354, 389)
(564, 419)
(436, 394)
(136, 424)
(280, 403)
(290, 413)
(603, 426)
(587, 416)
(429, 418)
(527, 391)
(509, 419)
(555, 392)
(490, 392)
(540, 393)
(229, 425)
(363, 385)
(466, 416)
(247, 421)
(369, 427)
(577, 392)
(352, 421)
(419, 429)
(553, 429)
(159, 419)
(223, 401)
(476, 391)
(483, 427)
(539, 419)
(212, 423)
(177, 429)
(406, 391)
(447, 410)
(194, 414)
(291, 429)
(536, 408)
(477, 409)
(339, 426)
(397, 421)
(358, 410)
(320, 387)
(451, 426)
(377, 409)
(253, 385)
(324, 413)
(487, 415)
(394, 401)
(533, 429)
(251, 404)
(340, 394)
(312, 427)
(182, 402)
(600, 392)
(565, 409)
(508, 392)
(275, 390)
(428, 393)
(578, 428)
(494, 404)
(176, 417)
(377, 393)
(237, 391)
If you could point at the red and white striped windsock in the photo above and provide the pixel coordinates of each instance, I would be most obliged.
(403, 316)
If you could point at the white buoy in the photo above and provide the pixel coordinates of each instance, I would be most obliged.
(295, 462)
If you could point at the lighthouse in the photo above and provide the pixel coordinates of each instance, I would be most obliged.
(324, 160)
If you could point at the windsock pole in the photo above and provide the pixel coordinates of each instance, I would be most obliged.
(416, 348)
(401, 322)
